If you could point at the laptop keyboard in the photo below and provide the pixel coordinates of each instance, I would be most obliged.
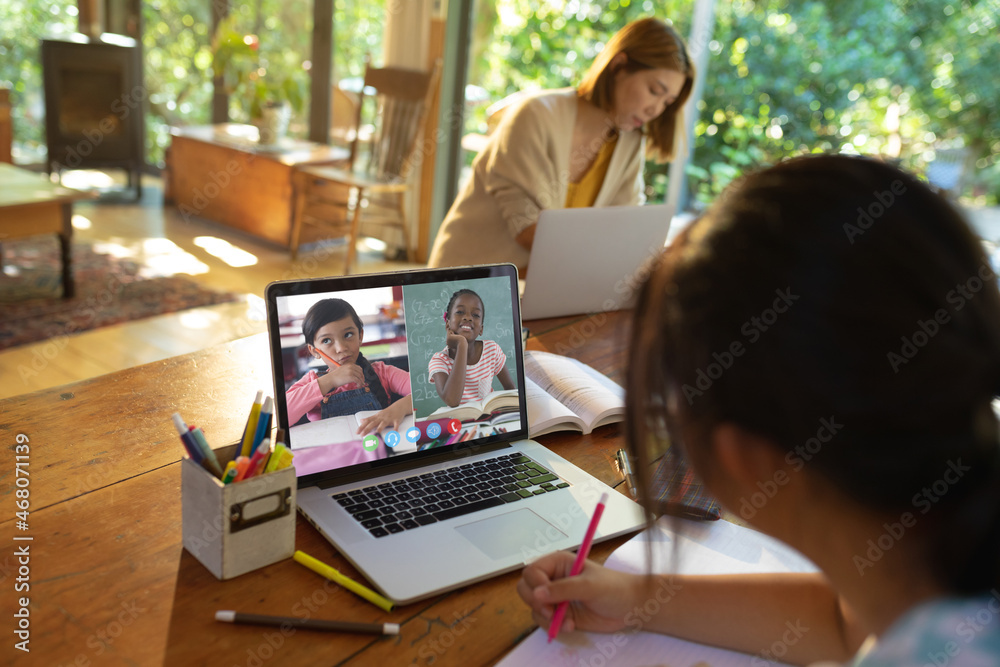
(405, 504)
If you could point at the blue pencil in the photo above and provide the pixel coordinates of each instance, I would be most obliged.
(263, 423)
(187, 439)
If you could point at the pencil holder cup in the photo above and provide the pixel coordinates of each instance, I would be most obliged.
(238, 527)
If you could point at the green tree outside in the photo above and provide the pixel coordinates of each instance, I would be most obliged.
(22, 26)
(178, 57)
(894, 78)
(897, 78)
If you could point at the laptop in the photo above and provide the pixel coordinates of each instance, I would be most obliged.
(452, 496)
(592, 260)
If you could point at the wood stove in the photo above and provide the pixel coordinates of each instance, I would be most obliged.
(94, 104)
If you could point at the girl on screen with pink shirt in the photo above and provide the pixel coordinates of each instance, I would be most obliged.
(464, 370)
(334, 333)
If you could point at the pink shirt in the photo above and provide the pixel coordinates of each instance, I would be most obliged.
(478, 377)
(304, 396)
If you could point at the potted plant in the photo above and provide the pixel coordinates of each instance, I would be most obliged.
(267, 88)
(274, 99)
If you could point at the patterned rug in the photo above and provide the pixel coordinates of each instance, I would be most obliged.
(109, 290)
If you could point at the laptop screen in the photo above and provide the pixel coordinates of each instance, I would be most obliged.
(377, 369)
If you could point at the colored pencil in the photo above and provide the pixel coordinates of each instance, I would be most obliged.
(228, 616)
(581, 557)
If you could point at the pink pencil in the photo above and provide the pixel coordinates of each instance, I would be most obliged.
(577, 568)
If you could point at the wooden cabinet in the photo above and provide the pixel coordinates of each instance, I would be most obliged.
(221, 173)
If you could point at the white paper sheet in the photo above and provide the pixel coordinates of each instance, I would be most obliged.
(715, 547)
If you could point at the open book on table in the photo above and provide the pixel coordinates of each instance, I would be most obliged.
(568, 395)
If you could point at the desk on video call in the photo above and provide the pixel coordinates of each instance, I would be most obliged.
(110, 582)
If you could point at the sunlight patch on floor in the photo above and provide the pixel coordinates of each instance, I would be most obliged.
(81, 222)
(227, 321)
(226, 251)
(86, 179)
(199, 318)
(372, 244)
(158, 257)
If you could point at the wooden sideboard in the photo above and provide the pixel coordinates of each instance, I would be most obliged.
(221, 173)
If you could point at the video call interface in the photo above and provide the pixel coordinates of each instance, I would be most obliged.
(354, 362)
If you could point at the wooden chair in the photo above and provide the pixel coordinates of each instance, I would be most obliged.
(343, 117)
(332, 200)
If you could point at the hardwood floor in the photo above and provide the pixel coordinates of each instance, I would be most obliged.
(214, 255)
(165, 243)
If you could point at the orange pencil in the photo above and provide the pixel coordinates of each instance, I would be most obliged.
(242, 464)
(331, 361)
(328, 359)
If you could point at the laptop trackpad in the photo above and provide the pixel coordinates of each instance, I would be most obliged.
(521, 531)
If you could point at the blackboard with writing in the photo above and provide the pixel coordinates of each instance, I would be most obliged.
(424, 309)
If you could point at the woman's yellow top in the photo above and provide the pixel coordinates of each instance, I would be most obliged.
(583, 193)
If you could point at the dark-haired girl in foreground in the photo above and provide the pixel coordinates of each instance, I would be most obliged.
(891, 332)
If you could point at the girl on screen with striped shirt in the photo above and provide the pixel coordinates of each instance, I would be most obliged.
(464, 370)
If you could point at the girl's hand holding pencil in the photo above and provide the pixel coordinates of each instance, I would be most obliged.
(342, 374)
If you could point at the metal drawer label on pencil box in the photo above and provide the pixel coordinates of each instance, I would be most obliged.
(262, 509)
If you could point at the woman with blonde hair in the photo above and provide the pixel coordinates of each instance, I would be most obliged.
(572, 147)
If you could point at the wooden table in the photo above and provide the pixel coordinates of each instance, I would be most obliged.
(221, 173)
(30, 205)
(110, 583)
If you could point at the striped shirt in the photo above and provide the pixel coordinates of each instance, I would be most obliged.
(478, 376)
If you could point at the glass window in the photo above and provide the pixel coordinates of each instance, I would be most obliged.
(22, 26)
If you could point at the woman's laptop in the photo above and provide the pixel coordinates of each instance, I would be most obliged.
(592, 260)
(453, 496)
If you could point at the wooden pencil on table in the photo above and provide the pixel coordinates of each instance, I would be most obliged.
(229, 616)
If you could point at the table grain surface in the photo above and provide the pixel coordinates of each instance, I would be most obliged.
(110, 583)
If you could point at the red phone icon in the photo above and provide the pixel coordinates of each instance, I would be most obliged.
(454, 426)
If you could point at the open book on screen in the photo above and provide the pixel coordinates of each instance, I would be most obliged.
(497, 402)
(563, 394)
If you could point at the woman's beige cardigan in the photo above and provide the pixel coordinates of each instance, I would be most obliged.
(524, 169)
